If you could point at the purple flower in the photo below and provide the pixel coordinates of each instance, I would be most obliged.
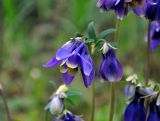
(107, 4)
(110, 68)
(129, 91)
(153, 10)
(154, 115)
(72, 56)
(155, 34)
(135, 111)
(150, 9)
(119, 6)
(121, 9)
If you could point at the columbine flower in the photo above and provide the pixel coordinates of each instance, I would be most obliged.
(120, 6)
(155, 35)
(154, 115)
(150, 9)
(72, 56)
(135, 111)
(110, 68)
(107, 4)
(68, 116)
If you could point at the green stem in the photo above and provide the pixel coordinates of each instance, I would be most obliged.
(93, 102)
(117, 32)
(112, 103)
(46, 115)
(5, 103)
(148, 67)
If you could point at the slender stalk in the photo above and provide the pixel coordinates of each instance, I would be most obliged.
(112, 95)
(117, 32)
(5, 103)
(93, 102)
(46, 115)
(148, 67)
(112, 103)
(1, 48)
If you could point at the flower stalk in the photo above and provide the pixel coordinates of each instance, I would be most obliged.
(93, 102)
(117, 32)
(148, 67)
(5, 103)
(112, 103)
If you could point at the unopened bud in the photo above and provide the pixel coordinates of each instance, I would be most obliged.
(56, 106)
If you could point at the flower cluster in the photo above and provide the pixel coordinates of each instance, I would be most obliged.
(148, 8)
(136, 109)
(74, 55)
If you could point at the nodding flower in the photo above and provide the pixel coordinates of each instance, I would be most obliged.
(135, 111)
(110, 68)
(153, 10)
(121, 7)
(150, 9)
(72, 56)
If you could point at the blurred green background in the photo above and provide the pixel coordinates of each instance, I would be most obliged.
(30, 33)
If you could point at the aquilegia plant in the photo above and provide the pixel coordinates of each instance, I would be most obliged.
(74, 55)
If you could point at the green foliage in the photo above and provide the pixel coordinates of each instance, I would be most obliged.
(91, 31)
(105, 33)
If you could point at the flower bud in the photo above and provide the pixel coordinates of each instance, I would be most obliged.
(56, 106)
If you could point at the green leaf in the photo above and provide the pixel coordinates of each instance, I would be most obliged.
(69, 101)
(99, 44)
(105, 33)
(72, 94)
(91, 31)
(88, 41)
(47, 106)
